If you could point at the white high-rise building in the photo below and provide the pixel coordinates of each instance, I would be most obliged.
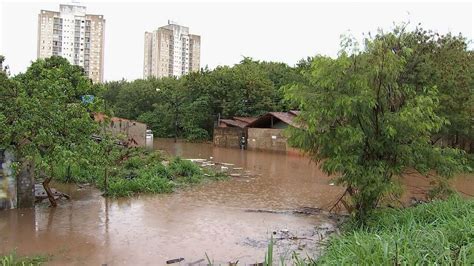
(171, 51)
(74, 35)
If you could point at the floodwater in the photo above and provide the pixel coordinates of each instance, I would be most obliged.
(227, 220)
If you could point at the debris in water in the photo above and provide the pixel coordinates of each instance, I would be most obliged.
(196, 160)
(174, 260)
(40, 193)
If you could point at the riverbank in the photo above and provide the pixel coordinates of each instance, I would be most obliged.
(440, 232)
(230, 220)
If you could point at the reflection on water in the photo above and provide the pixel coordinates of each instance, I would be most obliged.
(211, 218)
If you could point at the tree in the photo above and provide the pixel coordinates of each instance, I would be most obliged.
(444, 61)
(367, 125)
(44, 119)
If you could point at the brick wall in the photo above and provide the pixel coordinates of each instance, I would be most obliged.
(228, 137)
(266, 139)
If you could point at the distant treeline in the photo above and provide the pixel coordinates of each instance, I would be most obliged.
(191, 104)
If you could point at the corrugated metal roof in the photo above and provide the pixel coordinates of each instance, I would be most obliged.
(246, 119)
(235, 123)
(285, 117)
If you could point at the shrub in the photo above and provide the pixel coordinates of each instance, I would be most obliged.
(184, 168)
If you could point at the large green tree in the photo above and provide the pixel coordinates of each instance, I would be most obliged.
(44, 118)
(366, 123)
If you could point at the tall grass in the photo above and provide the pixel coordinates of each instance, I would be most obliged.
(141, 175)
(135, 171)
(440, 232)
(13, 259)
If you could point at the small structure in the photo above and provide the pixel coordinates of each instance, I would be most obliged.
(230, 132)
(133, 131)
(267, 132)
(262, 133)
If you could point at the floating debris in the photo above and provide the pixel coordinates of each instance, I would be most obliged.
(40, 193)
(174, 260)
(196, 160)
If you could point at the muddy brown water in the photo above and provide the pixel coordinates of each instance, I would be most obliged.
(212, 219)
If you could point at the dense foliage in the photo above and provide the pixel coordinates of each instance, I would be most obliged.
(188, 107)
(43, 118)
(440, 232)
(370, 116)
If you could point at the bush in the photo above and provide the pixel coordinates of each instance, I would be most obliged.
(77, 173)
(197, 134)
(441, 232)
(183, 168)
(121, 187)
(144, 172)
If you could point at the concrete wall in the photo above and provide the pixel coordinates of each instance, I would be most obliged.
(8, 195)
(25, 185)
(227, 137)
(266, 139)
(131, 129)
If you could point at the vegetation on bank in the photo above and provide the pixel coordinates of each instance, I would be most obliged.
(371, 114)
(144, 174)
(440, 232)
(140, 171)
(13, 259)
(435, 233)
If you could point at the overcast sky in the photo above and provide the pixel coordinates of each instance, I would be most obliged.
(282, 31)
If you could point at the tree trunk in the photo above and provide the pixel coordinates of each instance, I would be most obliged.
(105, 181)
(51, 198)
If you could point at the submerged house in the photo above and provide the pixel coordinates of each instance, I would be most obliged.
(229, 132)
(262, 133)
(134, 132)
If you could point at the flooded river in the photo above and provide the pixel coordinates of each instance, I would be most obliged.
(227, 220)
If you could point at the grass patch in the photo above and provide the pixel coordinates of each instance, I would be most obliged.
(441, 232)
(13, 259)
(137, 170)
(148, 172)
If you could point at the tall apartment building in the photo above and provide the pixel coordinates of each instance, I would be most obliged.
(171, 51)
(74, 35)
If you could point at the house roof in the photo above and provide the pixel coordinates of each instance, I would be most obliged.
(285, 117)
(246, 119)
(234, 123)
